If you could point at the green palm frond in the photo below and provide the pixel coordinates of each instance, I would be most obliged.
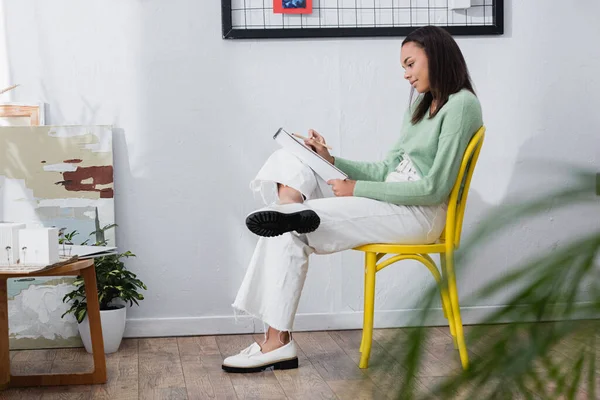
(551, 353)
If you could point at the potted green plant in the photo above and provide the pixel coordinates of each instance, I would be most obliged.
(117, 286)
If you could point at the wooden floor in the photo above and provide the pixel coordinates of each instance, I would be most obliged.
(190, 368)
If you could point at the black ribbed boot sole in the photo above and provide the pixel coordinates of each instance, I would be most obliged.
(275, 223)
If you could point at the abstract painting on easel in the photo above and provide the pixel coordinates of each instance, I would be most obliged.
(292, 7)
(54, 177)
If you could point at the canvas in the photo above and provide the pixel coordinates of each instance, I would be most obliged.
(22, 114)
(61, 177)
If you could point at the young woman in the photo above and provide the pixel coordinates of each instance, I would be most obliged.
(402, 199)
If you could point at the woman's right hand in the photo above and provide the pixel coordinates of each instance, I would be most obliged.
(317, 142)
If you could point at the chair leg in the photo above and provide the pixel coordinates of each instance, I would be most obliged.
(4, 347)
(93, 312)
(362, 339)
(444, 303)
(460, 337)
(447, 308)
(444, 289)
(367, 337)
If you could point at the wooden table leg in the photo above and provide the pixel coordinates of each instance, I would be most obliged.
(93, 312)
(99, 374)
(4, 349)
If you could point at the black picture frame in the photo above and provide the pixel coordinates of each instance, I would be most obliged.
(229, 32)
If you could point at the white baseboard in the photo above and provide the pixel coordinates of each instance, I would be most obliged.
(221, 325)
(191, 326)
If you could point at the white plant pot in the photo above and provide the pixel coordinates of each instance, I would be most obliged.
(113, 327)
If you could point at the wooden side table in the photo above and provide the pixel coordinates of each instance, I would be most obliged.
(85, 268)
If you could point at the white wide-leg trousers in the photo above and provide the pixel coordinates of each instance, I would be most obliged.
(275, 277)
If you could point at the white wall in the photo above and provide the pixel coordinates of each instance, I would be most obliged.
(195, 115)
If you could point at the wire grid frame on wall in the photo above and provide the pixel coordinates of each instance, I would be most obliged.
(255, 19)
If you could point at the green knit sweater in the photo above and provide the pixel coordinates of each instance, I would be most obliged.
(434, 145)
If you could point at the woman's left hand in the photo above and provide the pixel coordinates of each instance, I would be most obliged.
(342, 187)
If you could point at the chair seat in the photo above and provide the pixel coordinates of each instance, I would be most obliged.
(438, 247)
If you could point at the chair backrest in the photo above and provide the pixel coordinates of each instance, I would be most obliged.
(458, 196)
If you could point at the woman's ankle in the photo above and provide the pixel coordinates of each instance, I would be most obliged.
(288, 195)
(275, 339)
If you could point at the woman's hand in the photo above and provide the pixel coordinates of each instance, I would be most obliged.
(342, 187)
(317, 142)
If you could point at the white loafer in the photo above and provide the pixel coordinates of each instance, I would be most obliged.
(251, 359)
(277, 219)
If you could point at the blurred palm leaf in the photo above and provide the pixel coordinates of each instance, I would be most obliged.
(521, 360)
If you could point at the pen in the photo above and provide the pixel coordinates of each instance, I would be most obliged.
(305, 138)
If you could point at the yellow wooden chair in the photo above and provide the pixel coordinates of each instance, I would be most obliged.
(445, 246)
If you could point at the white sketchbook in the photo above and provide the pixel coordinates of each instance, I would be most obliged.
(317, 163)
